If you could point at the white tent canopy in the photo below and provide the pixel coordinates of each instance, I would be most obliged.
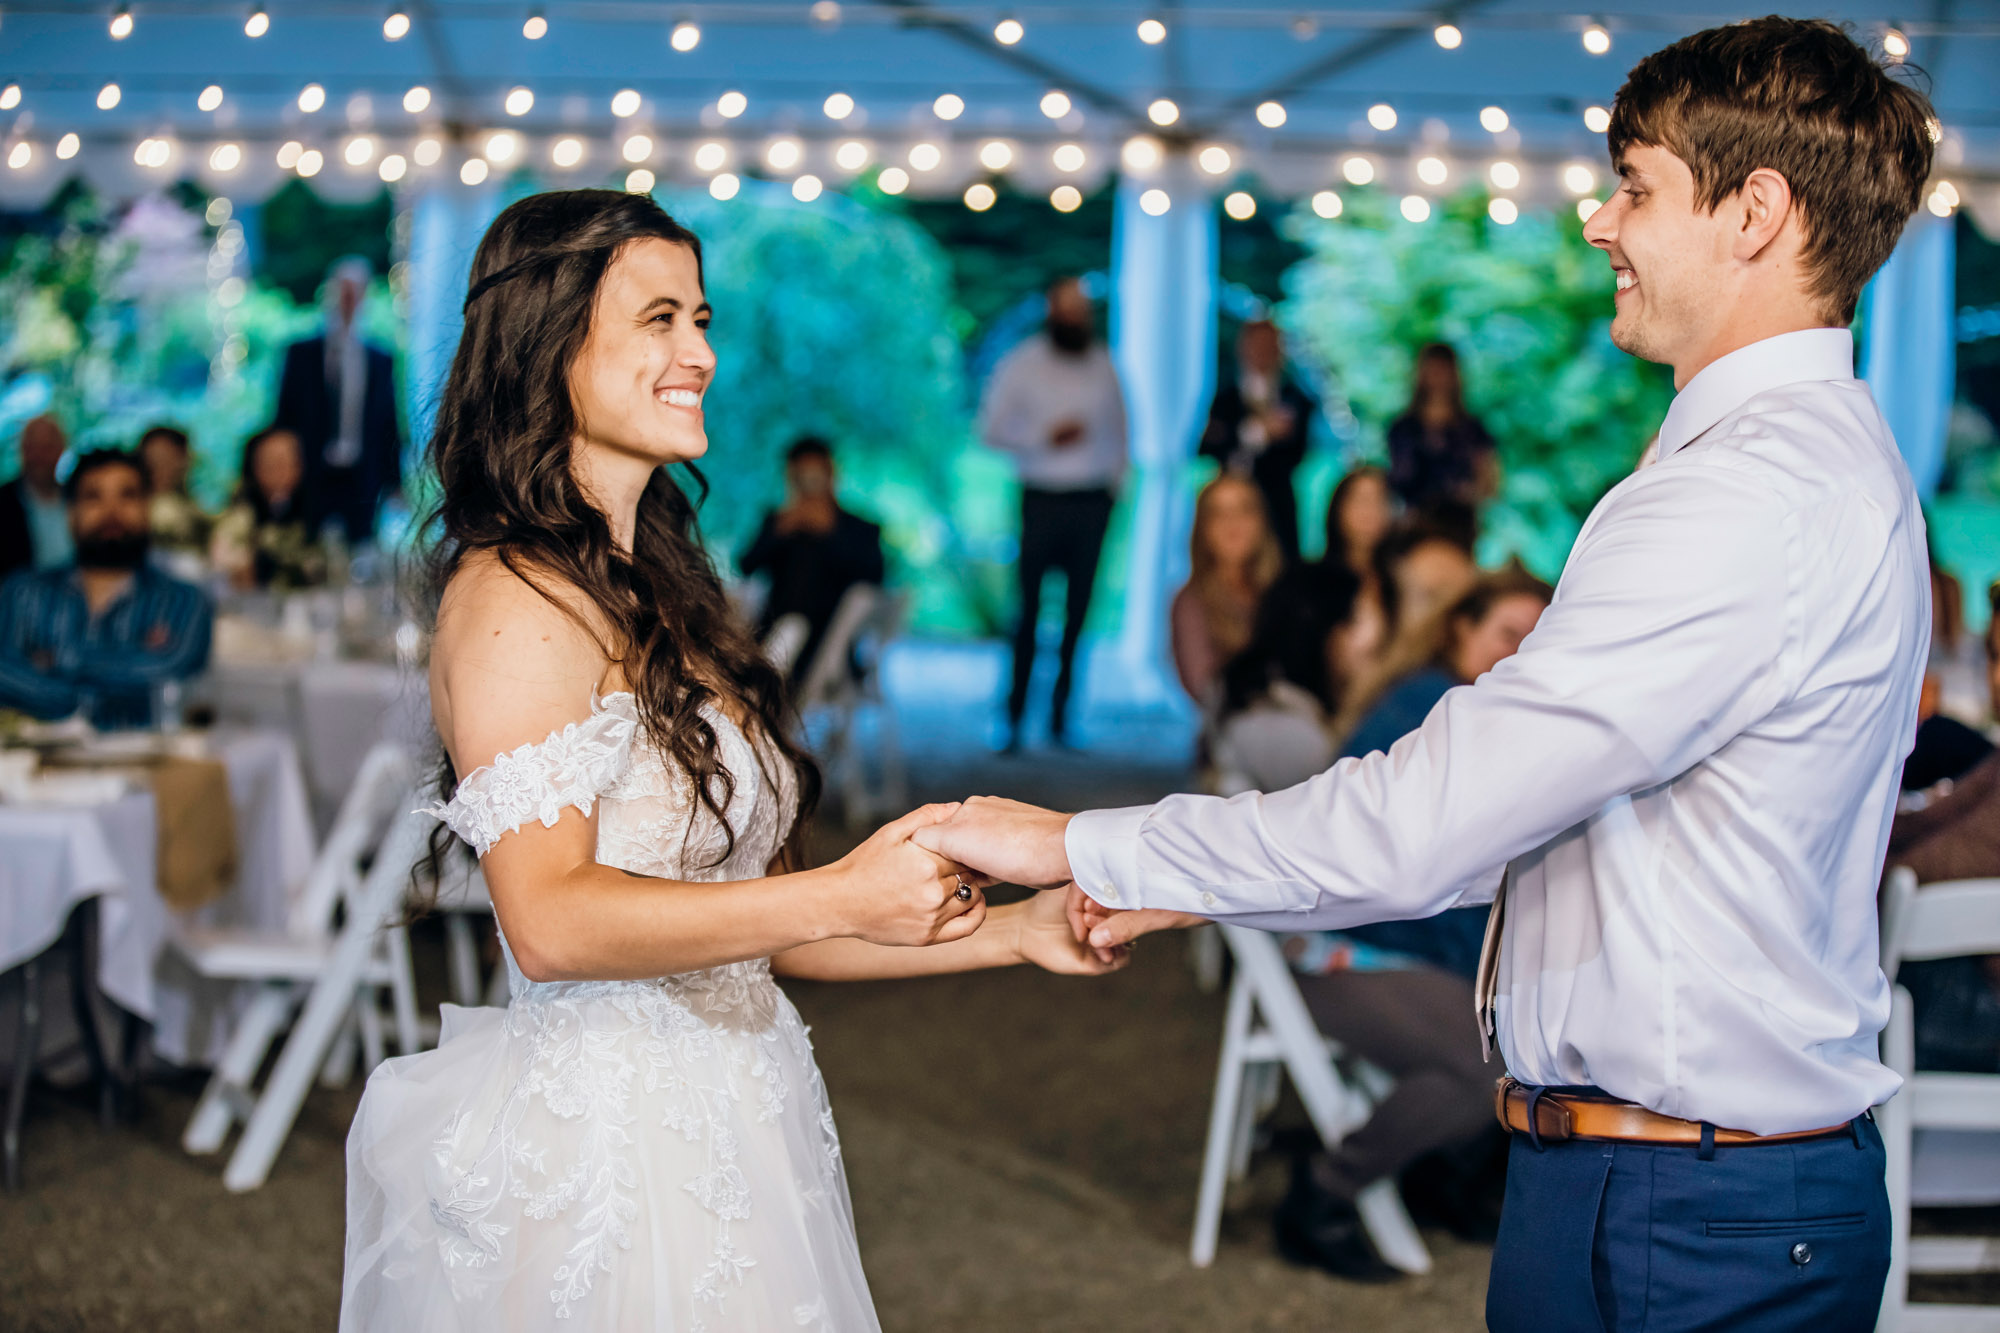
(1220, 64)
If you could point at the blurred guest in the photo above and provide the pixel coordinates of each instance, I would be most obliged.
(337, 395)
(1232, 557)
(1359, 518)
(102, 634)
(1055, 404)
(1279, 694)
(1441, 460)
(811, 549)
(1258, 427)
(1419, 573)
(34, 522)
(263, 539)
(1956, 660)
(176, 521)
(1395, 994)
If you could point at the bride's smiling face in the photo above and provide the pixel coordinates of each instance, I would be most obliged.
(646, 363)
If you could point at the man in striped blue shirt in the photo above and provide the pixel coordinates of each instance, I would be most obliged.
(99, 635)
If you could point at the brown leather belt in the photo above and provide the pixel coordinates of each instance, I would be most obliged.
(1568, 1115)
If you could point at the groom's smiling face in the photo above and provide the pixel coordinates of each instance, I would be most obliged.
(639, 380)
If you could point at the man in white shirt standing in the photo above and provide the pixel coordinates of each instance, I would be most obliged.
(1688, 771)
(1055, 404)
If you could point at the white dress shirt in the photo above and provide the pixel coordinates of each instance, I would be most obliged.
(1036, 388)
(1688, 772)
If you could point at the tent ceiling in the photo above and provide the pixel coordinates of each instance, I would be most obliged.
(1218, 62)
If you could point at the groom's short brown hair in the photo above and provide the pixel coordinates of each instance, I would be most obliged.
(1800, 97)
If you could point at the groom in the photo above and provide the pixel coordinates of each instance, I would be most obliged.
(1686, 774)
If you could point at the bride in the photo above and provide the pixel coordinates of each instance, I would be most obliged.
(640, 1141)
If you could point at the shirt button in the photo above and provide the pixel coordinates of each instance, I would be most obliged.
(1207, 899)
(1108, 893)
(1801, 1254)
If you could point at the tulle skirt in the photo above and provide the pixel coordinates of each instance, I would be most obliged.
(640, 1157)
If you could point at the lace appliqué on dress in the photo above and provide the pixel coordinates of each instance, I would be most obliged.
(572, 767)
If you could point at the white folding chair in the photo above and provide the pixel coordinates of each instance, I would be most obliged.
(831, 696)
(330, 976)
(1944, 920)
(463, 899)
(1269, 1030)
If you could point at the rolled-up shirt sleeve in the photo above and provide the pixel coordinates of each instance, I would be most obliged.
(1668, 636)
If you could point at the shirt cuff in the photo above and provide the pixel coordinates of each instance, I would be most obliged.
(1103, 850)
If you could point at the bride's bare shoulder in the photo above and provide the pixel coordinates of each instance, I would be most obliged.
(516, 653)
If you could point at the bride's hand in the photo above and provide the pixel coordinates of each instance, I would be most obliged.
(1045, 937)
(891, 891)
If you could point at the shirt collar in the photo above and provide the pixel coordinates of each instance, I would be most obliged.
(1728, 382)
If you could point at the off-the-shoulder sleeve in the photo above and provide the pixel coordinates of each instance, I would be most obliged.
(572, 767)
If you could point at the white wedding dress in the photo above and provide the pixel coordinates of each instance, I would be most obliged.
(641, 1156)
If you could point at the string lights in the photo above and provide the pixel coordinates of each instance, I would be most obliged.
(257, 24)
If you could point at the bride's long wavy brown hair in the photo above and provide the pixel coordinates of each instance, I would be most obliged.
(502, 448)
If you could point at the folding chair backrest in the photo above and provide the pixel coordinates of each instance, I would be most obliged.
(379, 894)
(787, 640)
(1945, 920)
(384, 780)
(826, 675)
(1899, 887)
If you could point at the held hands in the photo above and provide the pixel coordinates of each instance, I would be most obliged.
(890, 890)
(1045, 936)
(1006, 840)
(1109, 932)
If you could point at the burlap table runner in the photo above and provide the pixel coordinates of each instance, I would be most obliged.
(195, 857)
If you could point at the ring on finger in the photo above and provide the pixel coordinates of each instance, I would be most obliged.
(964, 891)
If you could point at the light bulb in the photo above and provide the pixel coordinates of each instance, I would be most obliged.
(1008, 31)
(1382, 116)
(257, 24)
(826, 13)
(1215, 160)
(724, 185)
(1240, 205)
(311, 98)
(851, 155)
(839, 106)
(1155, 202)
(310, 162)
(782, 154)
(729, 106)
(1504, 175)
(1596, 119)
(417, 99)
(1163, 111)
(537, 26)
(686, 36)
(710, 156)
(107, 97)
(893, 180)
(1415, 207)
(67, 146)
(1493, 120)
(1503, 211)
(473, 171)
(1270, 114)
(640, 181)
(1579, 179)
(1327, 204)
(520, 101)
(501, 146)
(1448, 36)
(980, 196)
(566, 152)
(396, 27)
(1895, 45)
(1068, 157)
(948, 107)
(1066, 198)
(926, 156)
(394, 167)
(625, 103)
(1358, 170)
(806, 189)
(1585, 207)
(211, 97)
(359, 152)
(1055, 104)
(427, 152)
(20, 155)
(637, 148)
(289, 154)
(121, 24)
(1152, 32)
(1140, 153)
(10, 97)
(1596, 39)
(1431, 170)
(996, 155)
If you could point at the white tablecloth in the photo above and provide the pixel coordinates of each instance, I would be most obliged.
(52, 858)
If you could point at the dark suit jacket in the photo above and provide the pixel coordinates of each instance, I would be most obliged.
(306, 408)
(1271, 468)
(17, 547)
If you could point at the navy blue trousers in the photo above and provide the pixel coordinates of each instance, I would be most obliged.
(1624, 1238)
